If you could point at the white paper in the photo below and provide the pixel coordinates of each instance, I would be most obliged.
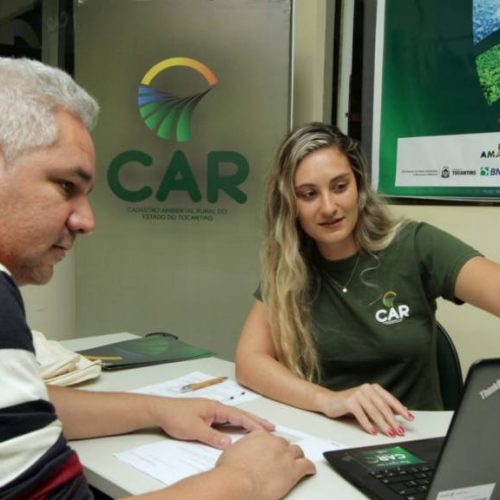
(228, 392)
(170, 461)
(313, 447)
(479, 492)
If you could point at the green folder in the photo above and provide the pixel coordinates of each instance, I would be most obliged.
(149, 350)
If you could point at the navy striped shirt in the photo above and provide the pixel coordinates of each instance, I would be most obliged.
(35, 459)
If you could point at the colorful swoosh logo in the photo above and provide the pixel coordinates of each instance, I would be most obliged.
(165, 114)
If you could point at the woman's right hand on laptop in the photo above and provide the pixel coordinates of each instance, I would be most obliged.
(370, 404)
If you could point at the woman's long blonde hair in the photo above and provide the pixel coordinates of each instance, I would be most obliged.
(286, 256)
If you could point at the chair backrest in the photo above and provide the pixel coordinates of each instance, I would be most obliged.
(450, 371)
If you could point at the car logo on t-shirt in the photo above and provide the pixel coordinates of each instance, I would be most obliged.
(391, 312)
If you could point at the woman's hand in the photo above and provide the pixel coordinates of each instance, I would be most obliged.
(373, 407)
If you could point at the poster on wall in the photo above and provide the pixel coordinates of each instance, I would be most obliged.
(195, 97)
(436, 130)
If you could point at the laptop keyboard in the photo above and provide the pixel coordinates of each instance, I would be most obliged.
(410, 482)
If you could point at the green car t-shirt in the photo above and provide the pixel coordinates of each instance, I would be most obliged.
(383, 329)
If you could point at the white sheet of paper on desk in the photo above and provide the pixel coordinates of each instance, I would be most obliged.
(228, 392)
(170, 461)
(313, 447)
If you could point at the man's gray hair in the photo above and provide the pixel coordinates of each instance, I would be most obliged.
(30, 92)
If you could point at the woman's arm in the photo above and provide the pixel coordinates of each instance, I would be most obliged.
(257, 367)
(478, 284)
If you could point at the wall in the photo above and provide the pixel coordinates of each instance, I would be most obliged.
(51, 309)
(192, 278)
(313, 60)
(477, 334)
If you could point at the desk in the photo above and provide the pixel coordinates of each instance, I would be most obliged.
(116, 478)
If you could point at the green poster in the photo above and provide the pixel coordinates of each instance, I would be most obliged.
(437, 129)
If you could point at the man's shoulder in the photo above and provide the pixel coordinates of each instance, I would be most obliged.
(7, 284)
(14, 331)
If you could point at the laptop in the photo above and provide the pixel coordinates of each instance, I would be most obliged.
(464, 465)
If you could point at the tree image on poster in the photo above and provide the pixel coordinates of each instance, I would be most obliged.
(486, 27)
(439, 133)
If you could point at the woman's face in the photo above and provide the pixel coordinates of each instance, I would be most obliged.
(327, 202)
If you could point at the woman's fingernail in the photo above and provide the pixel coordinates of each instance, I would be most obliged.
(373, 432)
(410, 415)
(391, 432)
(401, 430)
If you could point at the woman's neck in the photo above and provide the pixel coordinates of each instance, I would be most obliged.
(338, 251)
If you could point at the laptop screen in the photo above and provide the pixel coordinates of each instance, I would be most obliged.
(384, 458)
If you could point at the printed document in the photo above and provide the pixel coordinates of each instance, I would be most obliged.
(228, 392)
(170, 461)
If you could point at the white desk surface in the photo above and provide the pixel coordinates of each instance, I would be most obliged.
(116, 478)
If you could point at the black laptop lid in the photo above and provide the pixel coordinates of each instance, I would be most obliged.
(467, 461)
(469, 464)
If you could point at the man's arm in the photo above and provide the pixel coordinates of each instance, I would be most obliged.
(259, 466)
(86, 414)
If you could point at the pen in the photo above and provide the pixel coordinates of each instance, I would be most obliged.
(201, 385)
(103, 358)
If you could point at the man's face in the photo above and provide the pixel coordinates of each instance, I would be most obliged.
(43, 200)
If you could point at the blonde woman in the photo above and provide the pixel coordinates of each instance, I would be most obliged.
(344, 320)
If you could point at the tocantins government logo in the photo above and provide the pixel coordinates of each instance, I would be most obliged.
(167, 115)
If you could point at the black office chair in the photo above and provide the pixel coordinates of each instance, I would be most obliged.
(450, 372)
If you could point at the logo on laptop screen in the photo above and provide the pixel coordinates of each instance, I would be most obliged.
(166, 114)
(387, 457)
